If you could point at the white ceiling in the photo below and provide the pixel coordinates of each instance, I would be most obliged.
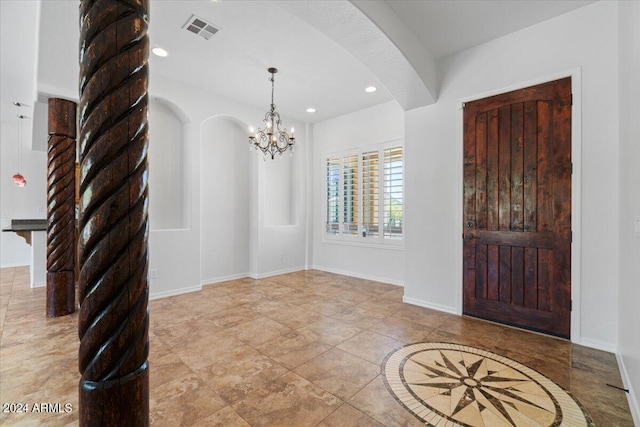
(315, 71)
(446, 27)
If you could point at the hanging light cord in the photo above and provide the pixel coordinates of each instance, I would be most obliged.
(21, 117)
(273, 106)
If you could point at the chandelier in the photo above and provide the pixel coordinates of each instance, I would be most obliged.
(18, 179)
(273, 137)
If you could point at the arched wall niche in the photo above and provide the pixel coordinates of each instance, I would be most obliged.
(168, 187)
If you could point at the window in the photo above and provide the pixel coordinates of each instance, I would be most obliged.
(370, 191)
(364, 197)
(393, 185)
(350, 195)
(333, 195)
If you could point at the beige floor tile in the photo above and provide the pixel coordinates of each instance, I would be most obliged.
(375, 401)
(339, 372)
(402, 330)
(381, 306)
(258, 331)
(296, 317)
(225, 417)
(331, 331)
(424, 316)
(370, 346)
(287, 401)
(164, 365)
(232, 316)
(348, 416)
(179, 334)
(238, 375)
(358, 316)
(208, 350)
(294, 348)
(327, 306)
(182, 401)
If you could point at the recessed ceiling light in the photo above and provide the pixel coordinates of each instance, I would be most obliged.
(159, 52)
(370, 89)
(311, 110)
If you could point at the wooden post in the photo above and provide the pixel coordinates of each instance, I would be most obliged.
(61, 160)
(113, 234)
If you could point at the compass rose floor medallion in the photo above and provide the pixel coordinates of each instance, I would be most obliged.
(455, 385)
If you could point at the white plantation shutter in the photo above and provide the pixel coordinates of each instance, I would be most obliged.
(333, 196)
(350, 195)
(370, 194)
(393, 193)
(364, 199)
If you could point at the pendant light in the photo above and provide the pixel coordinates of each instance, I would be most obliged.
(273, 138)
(18, 179)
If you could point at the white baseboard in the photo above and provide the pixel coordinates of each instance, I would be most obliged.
(39, 285)
(426, 304)
(173, 292)
(13, 265)
(224, 279)
(358, 275)
(632, 398)
(596, 344)
(275, 273)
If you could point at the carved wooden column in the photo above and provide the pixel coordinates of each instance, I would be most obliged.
(113, 240)
(61, 163)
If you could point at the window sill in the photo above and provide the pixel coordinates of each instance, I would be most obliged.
(399, 246)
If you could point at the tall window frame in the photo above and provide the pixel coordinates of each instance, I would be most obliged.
(364, 195)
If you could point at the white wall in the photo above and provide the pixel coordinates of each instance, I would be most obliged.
(278, 209)
(225, 200)
(629, 315)
(584, 39)
(18, 56)
(20, 202)
(373, 125)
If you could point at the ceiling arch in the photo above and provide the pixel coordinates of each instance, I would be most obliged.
(375, 35)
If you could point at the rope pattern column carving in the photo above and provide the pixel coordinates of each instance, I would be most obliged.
(61, 159)
(114, 229)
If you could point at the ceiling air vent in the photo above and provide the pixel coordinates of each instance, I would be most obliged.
(200, 27)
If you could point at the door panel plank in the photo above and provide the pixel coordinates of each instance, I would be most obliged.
(531, 278)
(481, 272)
(545, 260)
(517, 276)
(505, 275)
(530, 150)
(481, 171)
(492, 171)
(545, 208)
(504, 168)
(517, 166)
(492, 273)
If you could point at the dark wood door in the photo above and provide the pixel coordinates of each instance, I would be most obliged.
(517, 208)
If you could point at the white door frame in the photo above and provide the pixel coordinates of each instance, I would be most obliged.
(576, 180)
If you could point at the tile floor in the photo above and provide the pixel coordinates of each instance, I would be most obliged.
(301, 349)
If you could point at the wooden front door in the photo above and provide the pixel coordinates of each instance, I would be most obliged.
(517, 208)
